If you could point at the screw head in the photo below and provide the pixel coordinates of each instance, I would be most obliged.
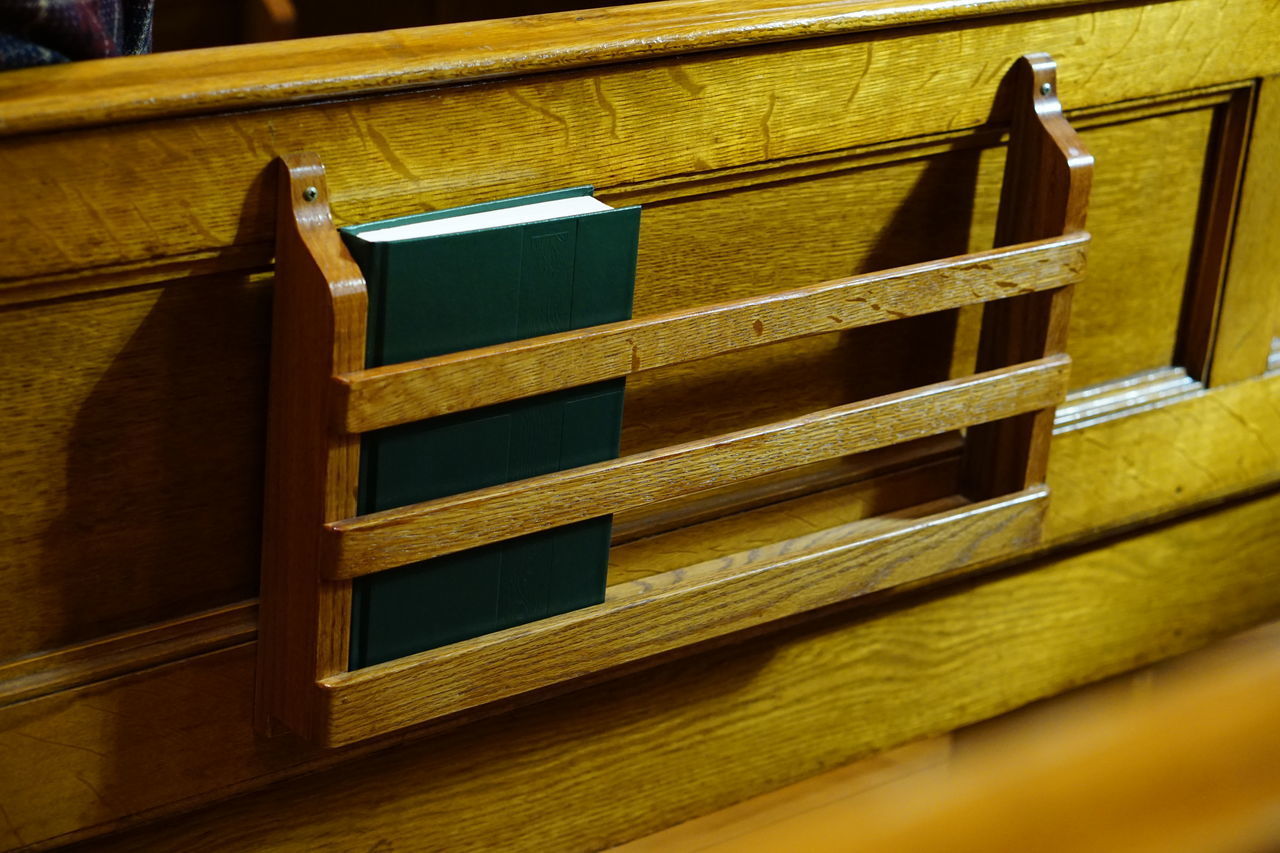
(310, 194)
(1046, 88)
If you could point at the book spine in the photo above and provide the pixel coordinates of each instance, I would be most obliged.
(371, 259)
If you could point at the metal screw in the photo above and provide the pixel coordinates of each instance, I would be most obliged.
(310, 194)
(1046, 88)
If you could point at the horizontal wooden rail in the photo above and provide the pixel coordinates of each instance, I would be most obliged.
(401, 393)
(384, 540)
(673, 610)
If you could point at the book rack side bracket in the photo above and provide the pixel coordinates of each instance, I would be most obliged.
(322, 399)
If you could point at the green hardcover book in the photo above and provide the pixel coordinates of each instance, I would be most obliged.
(469, 277)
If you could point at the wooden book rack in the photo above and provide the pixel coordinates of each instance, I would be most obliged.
(322, 399)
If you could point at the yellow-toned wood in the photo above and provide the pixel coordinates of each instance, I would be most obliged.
(188, 359)
(906, 765)
(770, 710)
(382, 540)
(1146, 465)
(126, 652)
(311, 472)
(130, 477)
(398, 154)
(667, 612)
(1250, 313)
(399, 393)
(1201, 310)
(1186, 769)
(1142, 215)
(912, 475)
(273, 74)
(644, 752)
(872, 484)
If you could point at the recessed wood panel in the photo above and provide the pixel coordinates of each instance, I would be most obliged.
(1143, 211)
(130, 483)
(782, 232)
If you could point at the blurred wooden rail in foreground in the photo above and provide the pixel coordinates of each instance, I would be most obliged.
(1182, 758)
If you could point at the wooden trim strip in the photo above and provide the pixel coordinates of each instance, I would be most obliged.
(384, 540)
(241, 77)
(677, 609)
(117, 654)
(401, 393)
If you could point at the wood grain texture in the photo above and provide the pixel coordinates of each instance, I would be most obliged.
(1145, 466)
(1047, 180)
(163, 409)
(403, 153)
(248, 76)
(920, 479)
(130, 479)
(1250, 303)
(1143, 211)
(623, 759)
(1225, 447)
(127, 652)
(760, 714)
(400, 393)
(894, 768)
(1198, 333)
(1185, 768)
(671, 611)
(318, 330)
(307, 620)
(382, 540)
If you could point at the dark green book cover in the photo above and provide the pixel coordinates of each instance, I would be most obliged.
(433, 295)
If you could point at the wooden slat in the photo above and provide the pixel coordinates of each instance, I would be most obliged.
(675, 610)
(400, 393)
(372, 543)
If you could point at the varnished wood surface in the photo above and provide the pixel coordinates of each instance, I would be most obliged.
(894, 768)
(1141, 467)
(399, 393)
(1115, 473)
(873, 484)
(164, 407)
(1188, 768)
(625, 758)
(306, 604)
(393, 537)
(393, 155)
(1250, 310)
(153, 401)
(667, 612)
(1233, 125)
(318, 330)
(1047, 181)
(1178, 756)
(247, 76)
(178, 339)
(127, 652)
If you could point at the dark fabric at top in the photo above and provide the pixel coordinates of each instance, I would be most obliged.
(40, 32)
